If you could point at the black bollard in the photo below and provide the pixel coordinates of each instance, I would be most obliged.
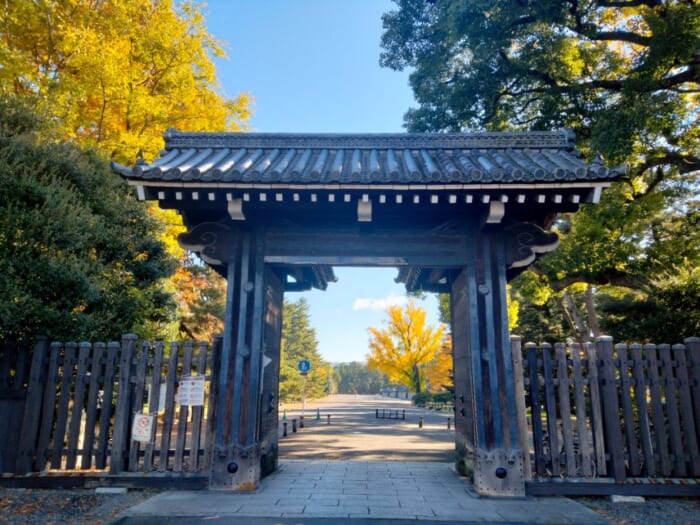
(449, 423)
(284, 429)
(301, 421)
(420, 422)
(329, 418)
(376, 414)
(403, 415)
(294, 425)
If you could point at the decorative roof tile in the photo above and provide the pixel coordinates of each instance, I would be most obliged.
(263, 158)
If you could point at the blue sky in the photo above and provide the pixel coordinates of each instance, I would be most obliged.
(313, 66)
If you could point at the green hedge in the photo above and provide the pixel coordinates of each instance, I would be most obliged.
(426, 397)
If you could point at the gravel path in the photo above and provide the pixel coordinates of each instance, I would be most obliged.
(64, 507)
(654, 511)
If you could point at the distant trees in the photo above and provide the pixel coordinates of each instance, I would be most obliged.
(357, 378)
(406, 346)
(299, 342)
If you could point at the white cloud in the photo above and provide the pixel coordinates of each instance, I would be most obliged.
(368, 303)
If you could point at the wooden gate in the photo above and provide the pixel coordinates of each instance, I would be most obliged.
(627, 414)
(82, 399)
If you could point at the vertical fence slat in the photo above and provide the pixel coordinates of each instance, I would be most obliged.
(596, 410)
(137, 404)
(686, 408)
(76, 416)
(674, 423)
(32, 407)
(640, 397)
(213, 400)
(551, 408)
(170, 380)
(517, 356)
(611, 408)
(197, 411)
(154, 405)
(64, 397)
(122, 416)
(48, 410)
(693, 360)
(535, 409)
(584, 437)
(98, 354)
(657, 410)
(628, 410)
(567, 430)
(108, 386)
(183, 413)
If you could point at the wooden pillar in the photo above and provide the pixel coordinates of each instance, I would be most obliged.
(487, 439)
(272, 342)
(237, 451)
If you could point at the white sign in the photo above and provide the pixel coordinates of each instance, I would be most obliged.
(191, 391)
(161, 397)
(142, 429)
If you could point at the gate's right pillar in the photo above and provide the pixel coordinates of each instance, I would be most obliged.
(486, 424)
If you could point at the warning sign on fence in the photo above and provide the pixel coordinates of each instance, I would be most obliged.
(142, 429)
(191, 391)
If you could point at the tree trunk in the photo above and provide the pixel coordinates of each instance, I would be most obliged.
(573, 315)
(416, 378)
(593, 323)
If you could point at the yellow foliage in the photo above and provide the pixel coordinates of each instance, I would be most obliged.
(115, 75)
(439, 372)
(405, 346)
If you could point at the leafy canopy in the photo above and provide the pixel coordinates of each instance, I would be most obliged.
(624, 75)
(405, 346)
(116, 74)
(80, 256)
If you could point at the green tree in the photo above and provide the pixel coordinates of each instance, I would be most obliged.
(406, 346)
(299, 342)
(114, 75)
(79, 255)
(623, 75)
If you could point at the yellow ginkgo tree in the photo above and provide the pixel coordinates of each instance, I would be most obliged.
(115, 75)
(406, 346)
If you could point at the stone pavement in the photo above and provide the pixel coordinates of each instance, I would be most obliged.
(372, 492)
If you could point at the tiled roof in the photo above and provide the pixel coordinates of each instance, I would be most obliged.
(262, 158)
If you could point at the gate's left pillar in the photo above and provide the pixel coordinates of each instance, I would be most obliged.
(237, 450)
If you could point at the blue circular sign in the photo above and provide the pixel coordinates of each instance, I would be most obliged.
(304, 366)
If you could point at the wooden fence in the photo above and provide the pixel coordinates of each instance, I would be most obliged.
(81, 400)
(612, 411)
(598, 412)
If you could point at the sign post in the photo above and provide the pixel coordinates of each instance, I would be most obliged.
(303, 366)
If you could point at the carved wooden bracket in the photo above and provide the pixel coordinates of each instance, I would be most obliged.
(213, 242)
(525, 241)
